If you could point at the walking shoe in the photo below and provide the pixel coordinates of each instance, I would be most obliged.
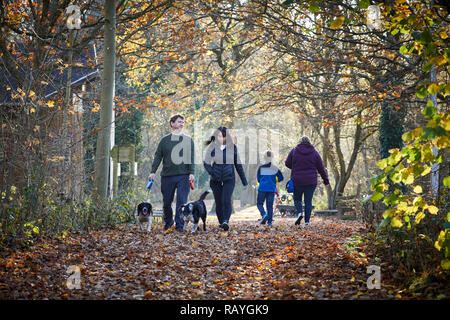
(169, 229)
(299, 219)
(264, 219)
(225, 226)
(306, 223)
(168, 226)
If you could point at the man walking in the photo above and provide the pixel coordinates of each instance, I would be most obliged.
(176, 151)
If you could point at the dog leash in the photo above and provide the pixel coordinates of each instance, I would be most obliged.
(149, 186)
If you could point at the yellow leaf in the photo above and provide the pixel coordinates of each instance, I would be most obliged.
(432, 209)
(409, 179)
(438, 244)
(32, 110)
(417, 189)
(195, 283)
(446, 123)
(419, 217)
(50, 103)
(337, 23)
(426, 171)
(433, 88)
(439, 60)
(396, 222)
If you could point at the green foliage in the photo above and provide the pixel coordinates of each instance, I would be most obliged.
(364, 4)
(390, 129)
(411, 217)
(404, 167)
(21, 223)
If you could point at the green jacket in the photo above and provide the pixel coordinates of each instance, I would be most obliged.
(177, 155)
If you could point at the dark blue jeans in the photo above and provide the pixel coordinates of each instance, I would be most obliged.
(307, 192)
(268, 197)
(168, 186)
(223, 191)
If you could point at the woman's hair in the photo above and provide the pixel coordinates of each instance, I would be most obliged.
(305, 140)
(222, 129)
(175, 118)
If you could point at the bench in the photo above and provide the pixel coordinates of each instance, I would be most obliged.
(287, 210)
(340, 212)
(326, 213)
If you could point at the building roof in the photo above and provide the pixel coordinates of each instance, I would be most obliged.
(82, 72)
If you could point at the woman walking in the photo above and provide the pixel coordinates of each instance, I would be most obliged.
(304, 162)
(221, 158)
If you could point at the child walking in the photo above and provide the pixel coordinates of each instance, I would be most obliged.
(267, 177)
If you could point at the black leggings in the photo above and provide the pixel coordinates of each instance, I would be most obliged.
(223, 192)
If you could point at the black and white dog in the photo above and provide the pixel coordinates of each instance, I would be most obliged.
(193, 211)
(144, 215)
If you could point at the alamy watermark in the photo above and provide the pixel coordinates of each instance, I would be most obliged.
(374, 281)
(74, 280)
(251, 143)
(73, 21)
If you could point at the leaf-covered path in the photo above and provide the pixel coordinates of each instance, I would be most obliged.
(249, 261)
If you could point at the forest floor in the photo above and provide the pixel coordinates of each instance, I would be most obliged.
(250, 261)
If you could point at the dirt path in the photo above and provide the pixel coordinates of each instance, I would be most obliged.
(249, 261)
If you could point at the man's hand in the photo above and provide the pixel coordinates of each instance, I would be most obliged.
(151, 176)
(191, 177)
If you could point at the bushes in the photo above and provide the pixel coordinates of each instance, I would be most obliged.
(42, 212)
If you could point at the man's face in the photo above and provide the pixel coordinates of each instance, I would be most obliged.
(178, 124)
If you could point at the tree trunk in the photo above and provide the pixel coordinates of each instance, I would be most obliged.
(66, 102)
(103, 141)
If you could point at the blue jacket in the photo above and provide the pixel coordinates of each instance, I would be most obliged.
(267, 177)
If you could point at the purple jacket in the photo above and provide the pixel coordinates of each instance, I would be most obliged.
(307, 162)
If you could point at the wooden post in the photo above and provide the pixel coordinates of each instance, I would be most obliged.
(115, 161)
(121, 154)
(131, 160)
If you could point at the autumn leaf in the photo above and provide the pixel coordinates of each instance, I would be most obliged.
(433, 88)
(337, 23)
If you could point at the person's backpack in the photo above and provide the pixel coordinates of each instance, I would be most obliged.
(290, 183)
(290, 186)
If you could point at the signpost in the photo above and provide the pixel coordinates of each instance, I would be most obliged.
(121, 154)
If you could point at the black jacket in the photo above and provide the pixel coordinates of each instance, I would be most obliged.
(221, 166)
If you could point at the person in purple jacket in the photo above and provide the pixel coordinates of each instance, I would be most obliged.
(304, 162)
